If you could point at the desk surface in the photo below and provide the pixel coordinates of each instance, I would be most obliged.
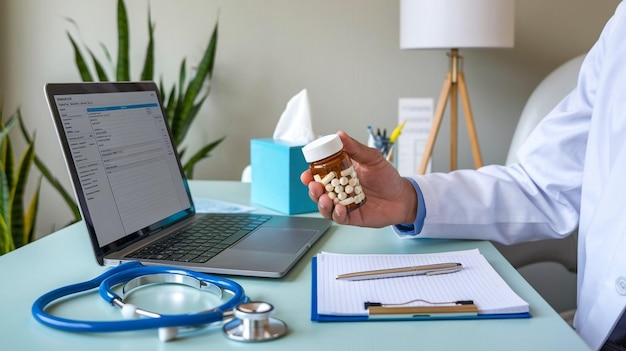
(65, 257)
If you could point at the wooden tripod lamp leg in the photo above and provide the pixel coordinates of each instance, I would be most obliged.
(432, 136)
(469, 121)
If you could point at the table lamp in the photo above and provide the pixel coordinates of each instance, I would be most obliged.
(455, 24)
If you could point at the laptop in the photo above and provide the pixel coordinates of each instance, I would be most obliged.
(134, 197)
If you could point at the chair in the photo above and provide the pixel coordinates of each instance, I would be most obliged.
(246, 174)
(562, 251)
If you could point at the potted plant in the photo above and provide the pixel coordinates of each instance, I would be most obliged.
(183, 101)
(17, 222)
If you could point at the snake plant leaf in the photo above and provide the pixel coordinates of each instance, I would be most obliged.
(6, 240)
(178, 117)
(102, 76)
(204, 71)
(123, 57)
(202, 153)
(8, 162)
(85, 75)
(6, 128)
(5, 196)
(30, 217)
(47, 174)
(186, 124)
(148, 66)
(17, 196)
(107, 54)
(171, 106)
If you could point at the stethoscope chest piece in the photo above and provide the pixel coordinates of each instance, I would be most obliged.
(253, 322)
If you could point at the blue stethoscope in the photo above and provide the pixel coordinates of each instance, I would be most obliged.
(245, 320)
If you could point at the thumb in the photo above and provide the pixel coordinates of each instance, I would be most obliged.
(357, 151)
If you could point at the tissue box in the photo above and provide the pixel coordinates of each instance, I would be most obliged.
(276, 168)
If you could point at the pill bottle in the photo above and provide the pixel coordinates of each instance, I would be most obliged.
(331, 166)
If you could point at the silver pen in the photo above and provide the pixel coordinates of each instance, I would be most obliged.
(431, 269)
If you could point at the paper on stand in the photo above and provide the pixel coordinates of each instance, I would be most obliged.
(295, 125)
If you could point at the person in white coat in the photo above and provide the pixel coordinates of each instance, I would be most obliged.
(571, 174)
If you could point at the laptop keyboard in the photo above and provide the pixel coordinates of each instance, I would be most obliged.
(203, 239)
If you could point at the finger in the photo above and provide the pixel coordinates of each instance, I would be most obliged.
(325, 205)
(340, 214)
(359, 152)
(306, 177)
(315, 191)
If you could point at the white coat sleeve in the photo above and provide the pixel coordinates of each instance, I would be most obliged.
(537, 198)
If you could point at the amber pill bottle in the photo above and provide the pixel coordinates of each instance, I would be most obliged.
(331, 166)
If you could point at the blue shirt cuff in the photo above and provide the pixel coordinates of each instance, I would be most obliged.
(411, 229)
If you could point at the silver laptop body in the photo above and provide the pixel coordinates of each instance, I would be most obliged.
(132, 191)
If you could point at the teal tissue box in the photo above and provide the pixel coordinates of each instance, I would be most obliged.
(276, 168)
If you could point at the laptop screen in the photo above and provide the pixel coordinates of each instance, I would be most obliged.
(124, 161)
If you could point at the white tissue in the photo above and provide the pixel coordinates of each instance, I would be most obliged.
(295, 125)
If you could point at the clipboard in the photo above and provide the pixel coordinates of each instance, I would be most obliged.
(445, 312)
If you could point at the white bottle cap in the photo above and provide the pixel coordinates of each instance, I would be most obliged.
(322, 147)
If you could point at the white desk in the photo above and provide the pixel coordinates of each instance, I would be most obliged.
(65, 257)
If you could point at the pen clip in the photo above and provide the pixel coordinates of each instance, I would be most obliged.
(443, 271)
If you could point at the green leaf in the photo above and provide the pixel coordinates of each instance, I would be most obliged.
(123, 59)
(148, 66)
(6, 240)
(8, 161)
(107, 54)
(5, 201)
(202, 153)
(6, 128)
(171, 107)
(56, 184)
(186, 124)
(204, 71)
(85, 75)
(30, 218)
(17, 195)
(178, 118)
(102, 76)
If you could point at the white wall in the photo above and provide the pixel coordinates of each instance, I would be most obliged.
(345, 53)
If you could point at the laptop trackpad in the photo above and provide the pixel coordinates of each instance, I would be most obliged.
(273, 239)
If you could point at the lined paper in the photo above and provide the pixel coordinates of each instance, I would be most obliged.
(477, 281)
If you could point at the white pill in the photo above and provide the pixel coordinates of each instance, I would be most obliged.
(332, 195)
(347, 201)
(349, 189)
(330, 187)
(343, 180)
(347, 171)
(335, 182)
(358, 189)
(339, 189)
(317, 178)
(358, 199)
(330, 176)
(352, 182)
(342, 196)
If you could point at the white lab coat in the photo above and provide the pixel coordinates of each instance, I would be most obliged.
(572, 172)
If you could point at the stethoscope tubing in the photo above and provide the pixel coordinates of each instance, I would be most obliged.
(123, 273)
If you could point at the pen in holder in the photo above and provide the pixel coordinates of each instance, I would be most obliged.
(382, 142)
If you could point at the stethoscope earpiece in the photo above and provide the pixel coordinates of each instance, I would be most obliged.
(253, 322)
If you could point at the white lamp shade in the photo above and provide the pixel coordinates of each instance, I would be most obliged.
(446, 24)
